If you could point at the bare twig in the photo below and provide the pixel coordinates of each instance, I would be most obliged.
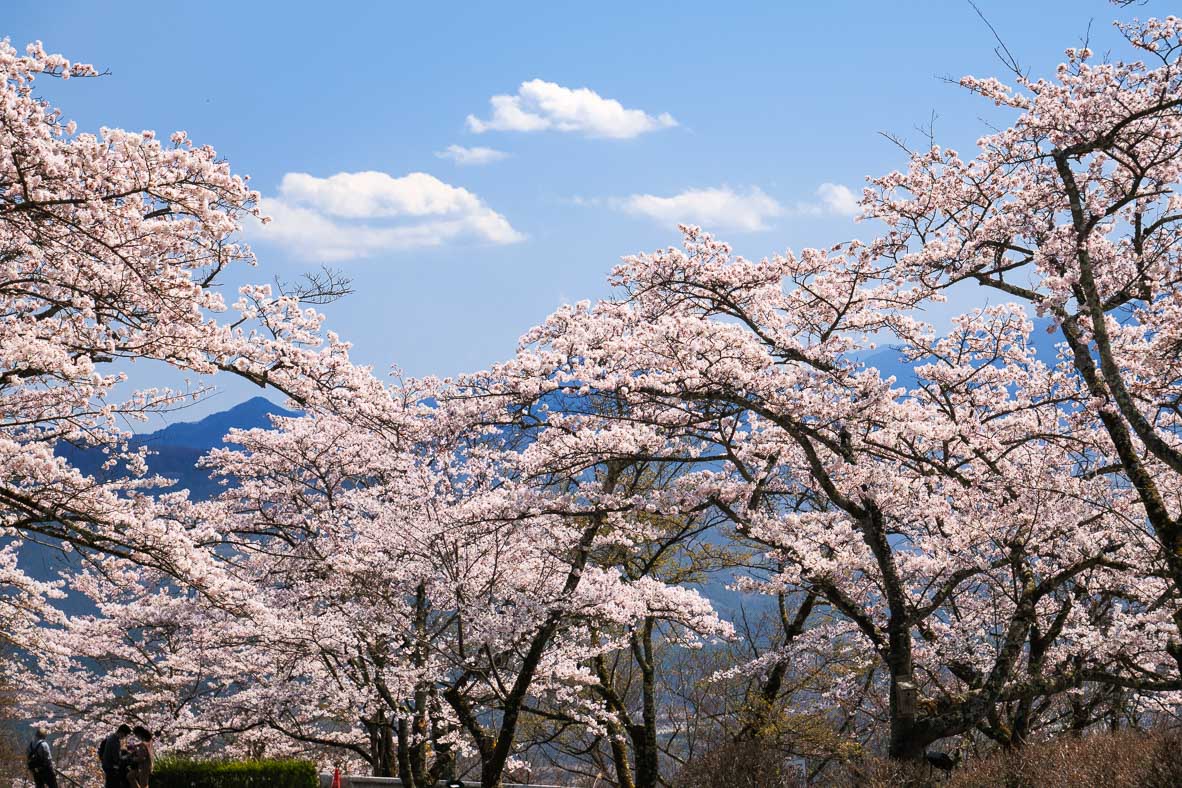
(1001, 50)
(318, 287)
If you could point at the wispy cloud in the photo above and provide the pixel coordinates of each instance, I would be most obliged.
(719, 209)
(837, 199)
(724, 208)
(360, 214)
(546, 106)
(471, 156)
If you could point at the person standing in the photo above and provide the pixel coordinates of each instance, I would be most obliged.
(141, 758)
(40, 760)
(111, 757)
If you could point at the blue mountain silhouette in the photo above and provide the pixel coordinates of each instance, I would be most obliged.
(175, 449)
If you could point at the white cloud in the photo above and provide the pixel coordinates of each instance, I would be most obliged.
(838, 199)
(715, 209)
(724, 208)
(546, 106)
(471, 156)
(320, 218)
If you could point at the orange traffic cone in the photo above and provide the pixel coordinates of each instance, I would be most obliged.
(336, 777)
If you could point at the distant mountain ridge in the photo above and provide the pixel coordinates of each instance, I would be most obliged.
(176, 449)
(209, 432)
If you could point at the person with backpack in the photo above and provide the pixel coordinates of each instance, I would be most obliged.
(111, 758)
(39, 759)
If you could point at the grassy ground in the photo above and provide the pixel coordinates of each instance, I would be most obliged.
(1123, 759)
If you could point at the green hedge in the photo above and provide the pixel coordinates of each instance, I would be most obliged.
(187, 773)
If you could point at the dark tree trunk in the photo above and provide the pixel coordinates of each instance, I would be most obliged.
(644, 736)
(404, 768)
(381, 745)
(616, 735)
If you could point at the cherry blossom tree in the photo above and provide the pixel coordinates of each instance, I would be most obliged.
(1010, 463)
(628, 698)
(399, 594)
(623, 489)
(1074, 211)
(111, 249)
(944, 526)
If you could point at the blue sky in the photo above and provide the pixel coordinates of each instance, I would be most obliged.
(741, 112)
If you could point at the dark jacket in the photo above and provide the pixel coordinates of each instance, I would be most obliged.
(112, 753)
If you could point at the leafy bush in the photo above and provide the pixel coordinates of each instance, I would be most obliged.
(189, 773)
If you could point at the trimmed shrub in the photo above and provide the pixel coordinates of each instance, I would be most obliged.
(191, 773)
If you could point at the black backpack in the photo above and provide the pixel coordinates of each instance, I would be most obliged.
(102, 743)
(35, 757)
